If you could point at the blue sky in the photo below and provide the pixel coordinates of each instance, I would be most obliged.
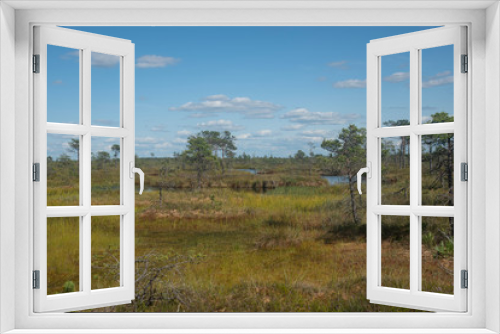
(275, 88)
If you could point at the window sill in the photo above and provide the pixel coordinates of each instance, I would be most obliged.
(251, 331)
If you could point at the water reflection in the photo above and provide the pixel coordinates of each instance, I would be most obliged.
(249, 170)
(335, 179)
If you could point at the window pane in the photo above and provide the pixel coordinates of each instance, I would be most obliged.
(63, 85)
(105, 89)
(63, 255)
(105, 171)
(63, 180)
(437, 84)
(395, 170)
(105, 252)
(437, 254)
(437, 169)
(395, 252)
(395, 89)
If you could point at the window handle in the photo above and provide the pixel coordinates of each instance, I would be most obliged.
(134, 170)
(368, 171)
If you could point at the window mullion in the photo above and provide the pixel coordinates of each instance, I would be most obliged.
(414, 171)
(86, 264)
(417, 118)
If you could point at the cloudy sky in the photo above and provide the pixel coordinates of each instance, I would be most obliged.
(275, 88)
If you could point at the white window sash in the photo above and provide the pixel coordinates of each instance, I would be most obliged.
(414, 297)
(85, 298)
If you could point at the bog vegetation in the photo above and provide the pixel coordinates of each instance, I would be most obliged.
(222, 231)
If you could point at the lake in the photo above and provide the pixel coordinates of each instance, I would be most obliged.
(332, 179)
(335, 179)
(249, 170)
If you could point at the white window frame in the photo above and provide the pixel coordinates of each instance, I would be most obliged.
(85, 43)
(414, 43)
(484, 267)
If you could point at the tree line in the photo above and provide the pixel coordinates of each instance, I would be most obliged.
(345, 155)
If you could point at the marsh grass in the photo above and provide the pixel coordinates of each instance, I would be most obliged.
(289, 249)
(105, 247)
(63, 254)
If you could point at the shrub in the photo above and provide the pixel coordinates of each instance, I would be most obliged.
(428, 239)
(445, 248)
(69, 286)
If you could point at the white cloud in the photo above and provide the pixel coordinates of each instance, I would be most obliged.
(144, 146)
(201, 115)
(222, 103)
(281, 146)
(397, 77)
(426, 119)
(220, 125)
(295, 142)
(159, 128)
(243, 136)
(342, 64)
(311, 139)
(146, 140)
(316, 133)
(162, 145)
(151, 142)
(444, 73)
(440, 79)
(104, 60)
(180, 140)
(259, 135)
(263, 133)
(154, 61)
(217, 97)
(350, 83)
(70, 55)
(105, 122)
(306, 117)
(103, 144)
(184, 133)
(292, 127)
(57, 82)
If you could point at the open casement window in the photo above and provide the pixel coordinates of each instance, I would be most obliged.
(83, 234)
(424, 270)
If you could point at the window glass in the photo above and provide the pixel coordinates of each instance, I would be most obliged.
(395, 239)
(105, 252)
(63, 272)
(63, 84)
(437, 254)
(395, 89)
(395, 170)
(105, 171)
(437, 85)
(105, 89)
(63, 170)
(438, 169)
